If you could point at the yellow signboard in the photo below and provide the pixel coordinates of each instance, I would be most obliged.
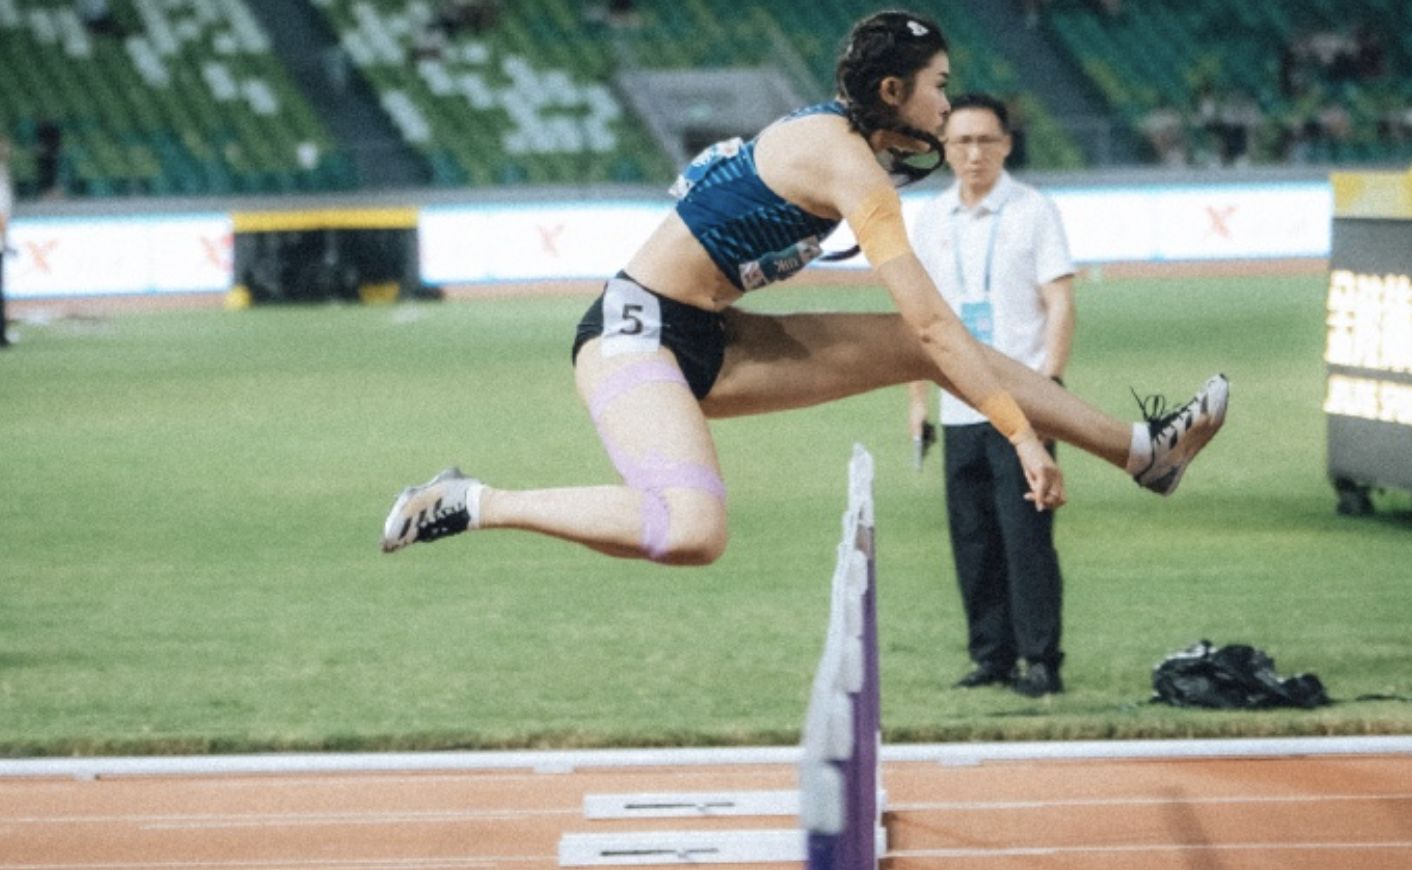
(1372, 194)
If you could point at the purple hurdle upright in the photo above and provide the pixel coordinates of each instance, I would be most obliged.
(838, 775)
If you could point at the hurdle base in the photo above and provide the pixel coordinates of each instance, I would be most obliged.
(664, 805)
(689, 847)
(699, 804)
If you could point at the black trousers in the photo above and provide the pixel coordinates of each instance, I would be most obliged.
(4, 339)
(1006, 564)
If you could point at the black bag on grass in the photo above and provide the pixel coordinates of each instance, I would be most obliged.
(1230, 677)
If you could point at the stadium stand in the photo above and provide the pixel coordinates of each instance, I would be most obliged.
(527, 97)
(186, 97)
(170, 97)
(520, 98)
(193, 97)
(1233, 83)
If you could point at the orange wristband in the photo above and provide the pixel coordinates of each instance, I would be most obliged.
(1002, 412)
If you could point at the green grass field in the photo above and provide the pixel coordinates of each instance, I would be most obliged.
(192, 501)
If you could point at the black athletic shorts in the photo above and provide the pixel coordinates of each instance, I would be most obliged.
(632, 318)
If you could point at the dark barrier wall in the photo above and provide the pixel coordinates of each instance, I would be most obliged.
(325, 255)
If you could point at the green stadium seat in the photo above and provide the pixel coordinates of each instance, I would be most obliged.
(1156, 51)
(124, 106)
(507, 93)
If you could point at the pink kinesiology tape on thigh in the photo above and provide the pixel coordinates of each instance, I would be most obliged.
(629, 378)
(655, 473)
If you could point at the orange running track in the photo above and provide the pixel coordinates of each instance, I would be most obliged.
(1218, 804)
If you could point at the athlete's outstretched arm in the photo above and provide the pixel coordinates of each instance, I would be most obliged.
(863, 194)
(960, 358)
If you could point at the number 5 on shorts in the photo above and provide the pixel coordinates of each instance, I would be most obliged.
(632, 319)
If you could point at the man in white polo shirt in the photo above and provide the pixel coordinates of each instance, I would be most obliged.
(997, 252)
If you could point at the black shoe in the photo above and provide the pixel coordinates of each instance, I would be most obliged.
(986, 676)
(1039, 679)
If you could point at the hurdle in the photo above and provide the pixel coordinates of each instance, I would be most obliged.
(840, 799)
(838, 803)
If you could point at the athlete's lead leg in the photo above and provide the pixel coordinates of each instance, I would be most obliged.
(796, 360)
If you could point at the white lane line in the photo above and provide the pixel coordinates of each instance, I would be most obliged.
(241, 820)
(986, 806)
(564, 761)
(337, 779)
(1034, 851)
(468, 862)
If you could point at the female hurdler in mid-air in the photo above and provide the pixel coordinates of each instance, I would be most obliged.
(662, 350)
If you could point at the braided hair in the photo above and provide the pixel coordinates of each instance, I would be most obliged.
(894, 43)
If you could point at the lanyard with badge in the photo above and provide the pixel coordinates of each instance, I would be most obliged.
(978, 317)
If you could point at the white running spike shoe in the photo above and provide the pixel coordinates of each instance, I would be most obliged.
(448, 504)
(1177, 436)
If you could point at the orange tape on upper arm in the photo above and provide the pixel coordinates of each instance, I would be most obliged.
(878, 226)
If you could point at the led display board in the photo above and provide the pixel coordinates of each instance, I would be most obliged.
(1368, 337)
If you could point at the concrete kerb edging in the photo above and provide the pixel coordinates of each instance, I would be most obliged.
(567, 761)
